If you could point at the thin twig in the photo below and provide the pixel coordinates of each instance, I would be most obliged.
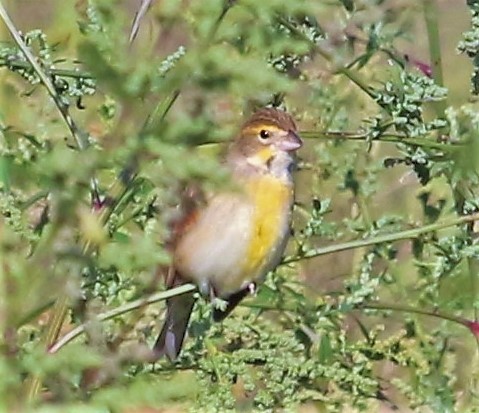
(432, 26)
(386, 137)
(380, 239)
(21, 64)
(406, 309)
(351, 75)
(135, 26)
(80, 137)
(134, 305)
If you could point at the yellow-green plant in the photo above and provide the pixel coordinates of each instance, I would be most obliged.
(100, 130)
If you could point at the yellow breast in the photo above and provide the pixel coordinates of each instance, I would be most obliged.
(271, 198)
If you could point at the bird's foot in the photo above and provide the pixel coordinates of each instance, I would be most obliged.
(208, 292)
(205, 289)
(219, 304)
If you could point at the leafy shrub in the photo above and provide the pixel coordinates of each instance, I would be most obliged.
(98, 136)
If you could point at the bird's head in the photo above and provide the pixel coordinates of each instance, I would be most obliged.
(269, 135)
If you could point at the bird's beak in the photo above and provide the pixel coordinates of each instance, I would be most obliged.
(290, 142)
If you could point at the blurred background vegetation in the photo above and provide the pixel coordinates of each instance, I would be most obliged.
(374, 307)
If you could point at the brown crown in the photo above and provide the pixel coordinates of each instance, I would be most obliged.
(271, 116)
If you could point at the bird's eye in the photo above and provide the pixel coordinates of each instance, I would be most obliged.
(264, 134)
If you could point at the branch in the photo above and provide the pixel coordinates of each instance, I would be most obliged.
(407, 309)
(352, 76)
(21, 64)
(380, 239)
(431, 19)
(387, 137)
(123, 309)
(80, 137)
(139, 15)
(471, 325)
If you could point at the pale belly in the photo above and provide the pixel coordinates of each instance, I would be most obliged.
(237, 238)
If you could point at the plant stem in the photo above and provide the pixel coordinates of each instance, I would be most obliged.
(126, 308)
(431, 20)
(21, 64)
(158, 115)
(413, 310)
(380, 239)
(59, 311)
(139, 15)
(387, 137)
(377, 306)
(60, 308)
(80, 137)
(352, 76)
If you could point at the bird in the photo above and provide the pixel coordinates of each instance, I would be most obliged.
(226, 242)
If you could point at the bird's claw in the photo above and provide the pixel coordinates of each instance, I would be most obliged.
(219, 304)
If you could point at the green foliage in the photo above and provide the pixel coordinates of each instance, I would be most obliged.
(470, 44)
(387, 182)
(404, 101)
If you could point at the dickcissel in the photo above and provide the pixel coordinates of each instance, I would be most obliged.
(227, 242)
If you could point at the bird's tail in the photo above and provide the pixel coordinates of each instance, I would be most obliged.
(178, 312)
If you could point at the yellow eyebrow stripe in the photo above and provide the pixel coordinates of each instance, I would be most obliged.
(256, 129)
